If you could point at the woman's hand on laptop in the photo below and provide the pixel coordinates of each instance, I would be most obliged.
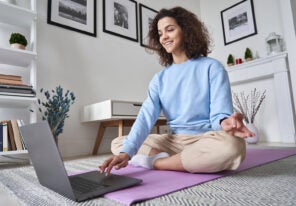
(116, 161)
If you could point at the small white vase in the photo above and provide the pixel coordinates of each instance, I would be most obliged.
(17, 46)
(252, 128)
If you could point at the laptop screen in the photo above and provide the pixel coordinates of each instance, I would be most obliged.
(46, 158)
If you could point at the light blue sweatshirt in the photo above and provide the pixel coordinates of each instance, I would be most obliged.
(194, 96)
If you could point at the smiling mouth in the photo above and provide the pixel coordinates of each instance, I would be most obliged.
(168, 43)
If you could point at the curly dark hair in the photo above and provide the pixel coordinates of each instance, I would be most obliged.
(196, 39)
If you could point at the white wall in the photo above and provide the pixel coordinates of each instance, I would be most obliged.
(271, 16)
(288, 17)
(293, 6)
(95, 69)
(267, 17)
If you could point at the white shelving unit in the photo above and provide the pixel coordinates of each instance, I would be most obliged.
(21, 18)
(12, 157)
(15, 57)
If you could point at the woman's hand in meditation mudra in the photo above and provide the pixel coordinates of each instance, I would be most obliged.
(234, 126)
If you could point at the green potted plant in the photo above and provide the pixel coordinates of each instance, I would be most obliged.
(55, 108)
(230, 60)
(18, 40)
(248, 54)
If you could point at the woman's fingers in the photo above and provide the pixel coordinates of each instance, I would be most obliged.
(105, 164)
(117, 161)
(112, 164)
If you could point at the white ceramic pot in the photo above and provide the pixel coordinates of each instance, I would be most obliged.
(17, 46)
(252, 128)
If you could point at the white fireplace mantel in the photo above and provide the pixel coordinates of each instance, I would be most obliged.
(273, 67)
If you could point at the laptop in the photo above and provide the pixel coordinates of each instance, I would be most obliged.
(52, 174)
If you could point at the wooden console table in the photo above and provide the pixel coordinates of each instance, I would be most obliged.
(113, 113)
(120, 123)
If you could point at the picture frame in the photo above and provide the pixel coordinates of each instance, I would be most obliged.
(238, 22)
(120, 18)
(146, 16)
(73, 15)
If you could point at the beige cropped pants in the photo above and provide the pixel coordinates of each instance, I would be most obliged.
(210, 152)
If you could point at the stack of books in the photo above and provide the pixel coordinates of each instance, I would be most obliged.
(10, 79)
(10, 136)
(13, 85)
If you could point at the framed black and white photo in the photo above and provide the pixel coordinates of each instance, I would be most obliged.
(146, 17)
(76, 15)
(120, 18)
(238, 21)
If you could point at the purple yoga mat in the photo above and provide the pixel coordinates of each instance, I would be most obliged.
(157, 183)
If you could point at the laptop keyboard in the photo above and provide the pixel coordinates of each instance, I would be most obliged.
(82, 185)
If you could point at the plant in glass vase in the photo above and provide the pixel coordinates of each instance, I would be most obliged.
(249, 106)
(54, 107)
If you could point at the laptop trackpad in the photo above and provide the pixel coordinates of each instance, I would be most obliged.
(97, 184)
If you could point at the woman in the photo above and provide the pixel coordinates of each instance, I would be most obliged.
(193, 91)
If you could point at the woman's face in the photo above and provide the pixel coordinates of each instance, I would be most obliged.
(170, 35)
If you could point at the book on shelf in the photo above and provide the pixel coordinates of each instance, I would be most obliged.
(17, 90)
(3, 136)
(17, 135)
(17, 94)
(11, 77)
(15, 86)
(22, 91)
(11, 81)
(11, 136)
(20, 123)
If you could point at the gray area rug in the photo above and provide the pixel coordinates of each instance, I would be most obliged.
(270, 184)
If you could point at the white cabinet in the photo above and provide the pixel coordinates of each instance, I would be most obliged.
(20, 17)
(111, 110)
